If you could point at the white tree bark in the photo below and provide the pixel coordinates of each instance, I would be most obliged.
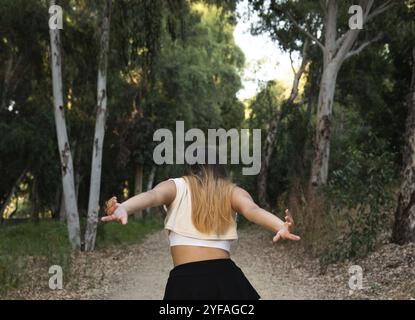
(319, 169)
(95, 185)
(63, 143)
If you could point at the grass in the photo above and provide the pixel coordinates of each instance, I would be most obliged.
(26, 247)
(113, 234)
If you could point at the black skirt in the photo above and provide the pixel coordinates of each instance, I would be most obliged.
(218, 279)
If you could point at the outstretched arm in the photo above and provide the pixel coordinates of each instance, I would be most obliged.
(243, 203)
(162, 194)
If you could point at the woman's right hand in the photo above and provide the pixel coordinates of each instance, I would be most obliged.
(115, 212)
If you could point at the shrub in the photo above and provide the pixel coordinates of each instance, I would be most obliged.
(358, 204)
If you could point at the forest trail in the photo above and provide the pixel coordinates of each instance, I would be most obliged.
(277, 271)
(267, 266)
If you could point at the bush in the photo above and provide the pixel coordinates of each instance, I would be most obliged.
(359, 204)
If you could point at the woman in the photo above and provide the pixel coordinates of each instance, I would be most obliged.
(201, 226)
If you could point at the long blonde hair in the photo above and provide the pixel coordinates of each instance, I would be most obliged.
(211, 198)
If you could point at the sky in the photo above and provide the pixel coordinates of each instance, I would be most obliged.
(264, 60)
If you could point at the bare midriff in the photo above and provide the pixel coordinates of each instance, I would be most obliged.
(187, 254)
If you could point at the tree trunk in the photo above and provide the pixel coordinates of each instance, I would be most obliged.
(404, 226)
(271, 138)
(95, 185)
(34, 202)
(138, 187)
(9, 197)
(151, 177)
(335, 52)
(150, 182)
(321, 154)
(267, 151)
(63, 142)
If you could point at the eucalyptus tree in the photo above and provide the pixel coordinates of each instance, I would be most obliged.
(96, 166)
(325, 24)
(67, 168)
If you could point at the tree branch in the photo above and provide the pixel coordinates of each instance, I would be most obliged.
(299, 73)
(340, 40)
(292, 62)
(382, 8)
(363, 46)
(308, 34)
(368, 6)
(323, 7)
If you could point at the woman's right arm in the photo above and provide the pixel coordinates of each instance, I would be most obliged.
(162, 194)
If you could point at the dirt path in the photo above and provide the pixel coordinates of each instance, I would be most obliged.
(266, 265)
(140, 271)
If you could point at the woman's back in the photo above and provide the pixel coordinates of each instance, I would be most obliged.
(201, 219)
(187, 243)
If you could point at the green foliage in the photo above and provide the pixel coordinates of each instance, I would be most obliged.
(266, 104)
(168, 61)
(360, 204)
(359, 198)
(25, 246)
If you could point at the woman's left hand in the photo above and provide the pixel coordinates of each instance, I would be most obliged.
(285, 231)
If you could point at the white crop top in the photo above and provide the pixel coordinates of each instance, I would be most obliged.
(181, 231)
(176, 239)
(179, 216)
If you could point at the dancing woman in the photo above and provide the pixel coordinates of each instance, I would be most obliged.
(201, 227)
